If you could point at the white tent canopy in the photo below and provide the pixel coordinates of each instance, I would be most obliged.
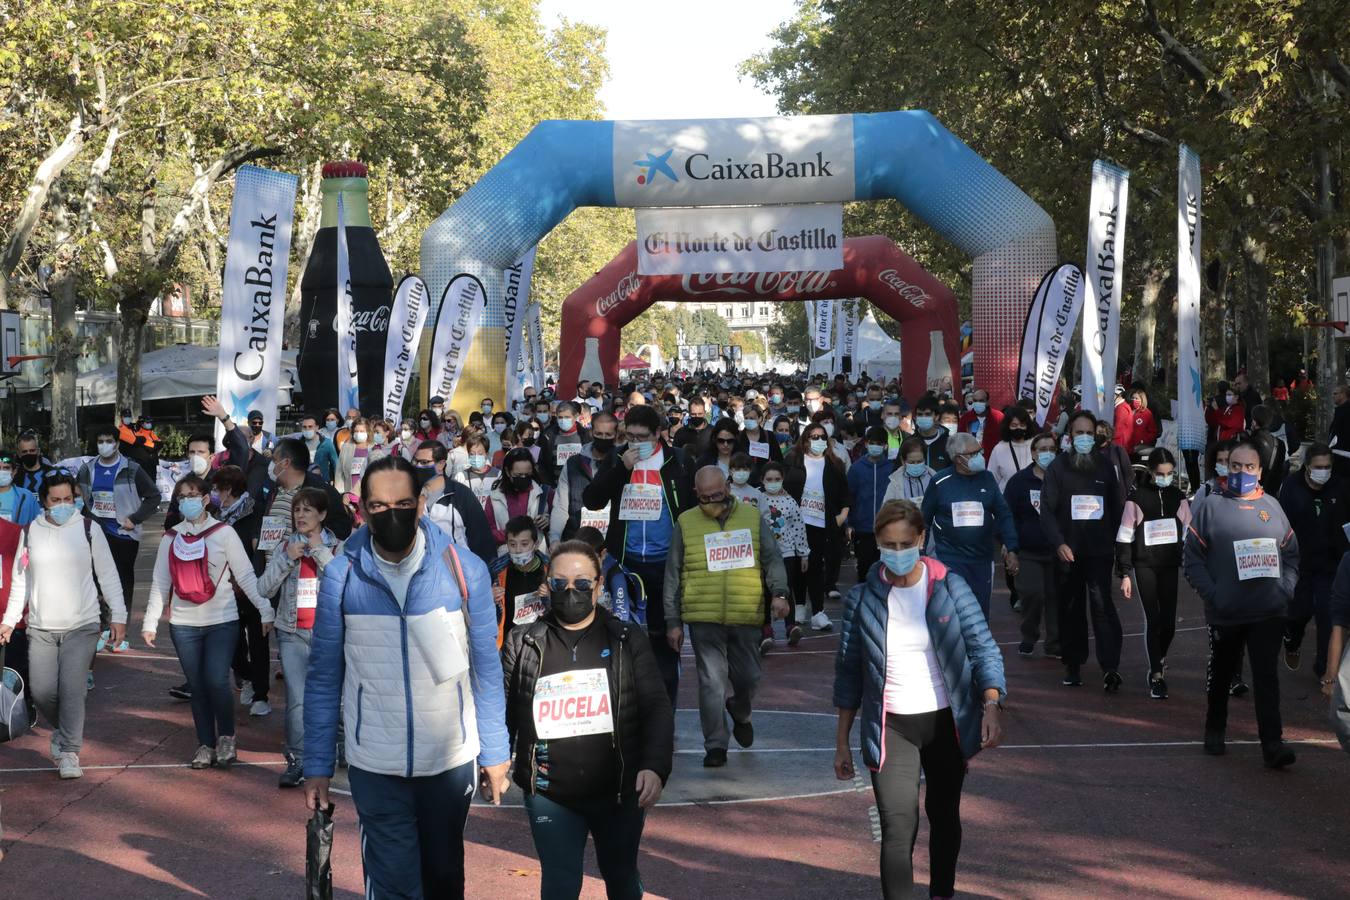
(179, 370)
(875, 351)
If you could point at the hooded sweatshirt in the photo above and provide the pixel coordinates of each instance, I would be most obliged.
(54, 570)
(1241, 556)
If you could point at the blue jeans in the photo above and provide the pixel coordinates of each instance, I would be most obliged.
(979, 575)
(206, 652)
(412, 832)
(294, 646)
(560, 840)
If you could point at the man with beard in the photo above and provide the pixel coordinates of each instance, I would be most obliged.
(569, 510)
(1080, 509)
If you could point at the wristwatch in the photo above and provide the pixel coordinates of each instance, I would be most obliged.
(997, 704)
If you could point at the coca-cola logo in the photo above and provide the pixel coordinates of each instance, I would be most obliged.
(626, 287)
(911, 292)
(760, 284)
(372, 320)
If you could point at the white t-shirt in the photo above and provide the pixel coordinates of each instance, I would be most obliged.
(913, 678)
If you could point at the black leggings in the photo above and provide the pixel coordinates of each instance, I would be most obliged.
(926, 742)
(253, 654)
(825, 544)
(1157, 593)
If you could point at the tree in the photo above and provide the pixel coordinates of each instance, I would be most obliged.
(790, 335)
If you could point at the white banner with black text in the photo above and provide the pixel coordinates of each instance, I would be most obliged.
(536, 347)
(822, 327)
(1105, 255)
(517, 280)
(406, 321)
(1190, 389)
(348, 386)
(456, 325)
(710, 240)
(1047, 336)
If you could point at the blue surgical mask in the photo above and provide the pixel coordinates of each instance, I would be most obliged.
(477, 460)
(644, 449)
(1221, 470)
(190, 508)
(542, 418)
(1083, 443)
(308, 433)
(923, 423)
(876, 450)
(874, 405)
(740, 476)
(61, 512)
(976, 463)
(6, 478)
(1163, 481)
(980, 407)
(565, 423)
(951, 427)
(900, 562)
(782, 436)
(818, 446)
(1045, 458)
(794, 408)
(915, 470)
(1241, 483)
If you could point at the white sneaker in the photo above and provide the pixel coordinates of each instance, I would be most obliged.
(69, 765)
(225, 751)
(821, 622)
(259, 708)
(246, 694)
(800, 613)
(834, 595)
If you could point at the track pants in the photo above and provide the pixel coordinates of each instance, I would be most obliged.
(1312, 603)
(824, 559)
(1036, 588)
(1157, 593)
(560, 830)
(1262, 643)
(653, 576)
(1084, 587)
(58, 664)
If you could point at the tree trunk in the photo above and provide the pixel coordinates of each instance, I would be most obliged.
(311, 210)
(1256, 314)
(1145, 329)
(1167, 334)
(1328, 357)
(65, 441)
(1213, 338)
(39, 188)
(130, 334)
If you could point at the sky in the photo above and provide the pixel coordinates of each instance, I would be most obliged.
(679, 60)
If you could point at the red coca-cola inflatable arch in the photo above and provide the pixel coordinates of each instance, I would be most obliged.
(874, 268)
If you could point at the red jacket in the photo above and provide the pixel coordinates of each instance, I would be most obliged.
(1145, 429)
(1230, 420)
(990, 434)
(9, 543)
(1123, 423)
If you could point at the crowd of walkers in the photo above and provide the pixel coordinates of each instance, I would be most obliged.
(470, 602)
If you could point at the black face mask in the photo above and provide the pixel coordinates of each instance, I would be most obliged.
(520, 483)
(1017, 434)
(696, 422)
(393, 529)
(424, 474)
(571, 605)
(29, 460)
(527, 442)
(602, 445)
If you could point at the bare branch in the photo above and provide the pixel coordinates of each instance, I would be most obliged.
(1184, 55)
(201, 185)
(48, 171)
(1147, 135)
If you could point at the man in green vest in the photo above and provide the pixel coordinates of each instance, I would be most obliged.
(722, 558)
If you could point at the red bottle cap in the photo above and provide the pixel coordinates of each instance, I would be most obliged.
(345, 168)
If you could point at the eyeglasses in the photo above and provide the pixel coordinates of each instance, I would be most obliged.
(720, 498)
(585, 585)
(376, 507)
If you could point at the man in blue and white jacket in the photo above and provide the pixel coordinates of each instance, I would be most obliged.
(405, 630)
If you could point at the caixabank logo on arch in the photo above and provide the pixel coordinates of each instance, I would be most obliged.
(723, 162)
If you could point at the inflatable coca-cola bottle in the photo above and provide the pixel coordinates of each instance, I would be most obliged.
(372, 294)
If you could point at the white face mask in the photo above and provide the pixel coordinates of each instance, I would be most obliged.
(1319, 476)
(359, 437)
(406, 434)
(200, 464)
(106, 449)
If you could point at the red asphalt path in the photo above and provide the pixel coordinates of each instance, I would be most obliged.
(1090, 796)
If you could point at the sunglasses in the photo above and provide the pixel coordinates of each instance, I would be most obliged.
(726, 440)
(720, 498)
(585, 585)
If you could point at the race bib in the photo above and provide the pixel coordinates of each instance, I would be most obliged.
(1257, 558)
(273, 532)
(307, 593)
(759, 449)
(640, 503)
(813, 508)
(188, 551)
(104, 506)
(566, 452)
(595, 518)
(1160, 531)
(359, 466)
(1087, 507)
(527, 608)
(729, 550)
(1035, 500)
(572, 704)
(967, 514)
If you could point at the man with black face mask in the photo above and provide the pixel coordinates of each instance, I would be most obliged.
(721, 556)
(425, 657)
(33, 466)
(569, 512)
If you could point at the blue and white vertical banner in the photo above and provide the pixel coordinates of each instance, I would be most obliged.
(406, 321)
(536, 348)
(517, 280)
(1105, 255)
(457, 322)
(253, 297)
(348, 386)
(1190, 387)
(822, 329)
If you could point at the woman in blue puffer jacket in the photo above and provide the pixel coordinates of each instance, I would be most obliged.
(915, 655)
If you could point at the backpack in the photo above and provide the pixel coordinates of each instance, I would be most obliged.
(189, 567)
(13, 704)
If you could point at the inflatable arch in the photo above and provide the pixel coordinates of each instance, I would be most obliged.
(874, 268)
(907, 155)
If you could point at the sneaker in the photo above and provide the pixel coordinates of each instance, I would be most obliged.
(69, 766)
(246, 694)
(1276, 755)
(1111, 681)
(89, 682)
(294, 776)
(1025, 648)
(259, 708)
(1238, 688)
(1157, 687)
(1052, 654)
(794, 635)
(714, 759)
(225, 752)
(120, 648)
(1072, 677)
(834, 595)
(180, 692)
(765, 645)
(204, 758)
(1214, 745)
(1292, 657)
(743, 732)
(821, 622)
(103, 639)
(801, 613)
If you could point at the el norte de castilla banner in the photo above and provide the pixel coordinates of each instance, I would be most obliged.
(1047, 336)
(406, 321)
